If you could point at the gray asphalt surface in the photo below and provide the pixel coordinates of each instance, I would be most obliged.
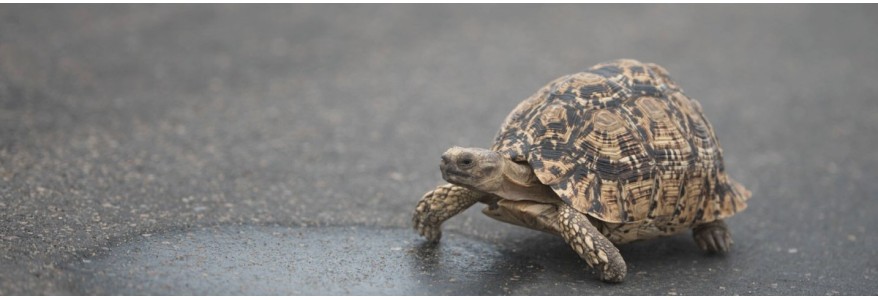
(280, 149)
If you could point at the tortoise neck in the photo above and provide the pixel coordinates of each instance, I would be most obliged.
(519, 173)
(520, 183)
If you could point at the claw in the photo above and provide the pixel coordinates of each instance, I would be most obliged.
(713, 238)
(711, 244)
(701, 244)
(719, 238)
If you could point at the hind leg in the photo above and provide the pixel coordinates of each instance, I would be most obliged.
(591, 245)
(713, 237)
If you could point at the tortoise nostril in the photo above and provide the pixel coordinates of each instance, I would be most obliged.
(445, 159)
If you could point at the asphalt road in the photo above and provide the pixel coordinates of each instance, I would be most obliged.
(280, 149)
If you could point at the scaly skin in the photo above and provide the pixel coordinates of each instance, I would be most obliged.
(713, 237)
(440, 204)
(591, 245)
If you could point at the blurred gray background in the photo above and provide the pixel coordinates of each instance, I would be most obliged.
(227, 141)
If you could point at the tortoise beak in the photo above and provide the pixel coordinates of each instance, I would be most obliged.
(450, 171)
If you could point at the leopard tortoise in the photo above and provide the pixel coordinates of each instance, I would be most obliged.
(608, 156)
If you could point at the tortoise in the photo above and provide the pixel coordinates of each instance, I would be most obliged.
(604, 157)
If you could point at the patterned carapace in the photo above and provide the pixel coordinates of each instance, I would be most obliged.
(623, 144)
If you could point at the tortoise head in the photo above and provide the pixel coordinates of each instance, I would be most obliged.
(475, 168)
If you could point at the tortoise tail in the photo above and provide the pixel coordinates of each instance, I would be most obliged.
(742, 193)
(736, 196)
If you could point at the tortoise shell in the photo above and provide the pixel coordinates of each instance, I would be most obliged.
(622, 143)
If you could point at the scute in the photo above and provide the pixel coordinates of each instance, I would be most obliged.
(623, 144)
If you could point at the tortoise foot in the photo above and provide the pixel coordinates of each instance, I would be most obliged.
(713, 237)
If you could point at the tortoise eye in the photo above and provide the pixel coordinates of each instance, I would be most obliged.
(466, 161)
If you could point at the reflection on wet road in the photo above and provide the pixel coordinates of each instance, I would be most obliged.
(255, 260)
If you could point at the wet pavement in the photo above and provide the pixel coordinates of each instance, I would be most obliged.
(278, 260)
(280, 149)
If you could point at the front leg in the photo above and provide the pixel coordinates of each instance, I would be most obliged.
(591, 245)
(441, 204)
